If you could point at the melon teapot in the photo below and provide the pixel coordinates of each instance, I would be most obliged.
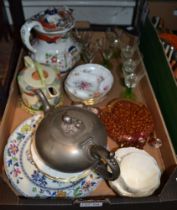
(52, 43)
(72, 139)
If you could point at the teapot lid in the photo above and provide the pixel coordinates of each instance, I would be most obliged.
(54, 20)
(29, 78)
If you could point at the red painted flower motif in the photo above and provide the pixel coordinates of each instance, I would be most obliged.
(84, 85)
(13, 149)
(54, 59)
(96, 94)
(86, 185)
(16, 172)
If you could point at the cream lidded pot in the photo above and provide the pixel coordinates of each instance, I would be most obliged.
(140, 175)
(36, 76)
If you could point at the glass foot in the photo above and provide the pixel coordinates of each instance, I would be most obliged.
(128, 94)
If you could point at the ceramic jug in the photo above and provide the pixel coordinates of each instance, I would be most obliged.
(52, 42)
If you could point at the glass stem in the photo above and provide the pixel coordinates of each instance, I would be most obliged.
(129, 91)
(107, 63)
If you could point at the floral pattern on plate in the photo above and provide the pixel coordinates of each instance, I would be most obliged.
(27, 180)
(89, 81)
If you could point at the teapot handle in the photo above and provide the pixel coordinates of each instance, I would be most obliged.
(26, 31)
(107, 166)
(46, 106)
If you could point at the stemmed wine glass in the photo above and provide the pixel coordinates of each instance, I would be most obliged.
(130, 61)
(128, 48)
(109, 45)
(114, 39)
(105, 50)
(88, 50)
(132, 75)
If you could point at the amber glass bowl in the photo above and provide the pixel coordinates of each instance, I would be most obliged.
(127, 123)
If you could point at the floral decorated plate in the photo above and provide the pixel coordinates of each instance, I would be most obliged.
(26, 178)
(88, 81)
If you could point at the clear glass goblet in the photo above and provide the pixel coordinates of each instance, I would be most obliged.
(131, 75)
(114, 39)
(88, 50)
(128, 48)
(105, 50)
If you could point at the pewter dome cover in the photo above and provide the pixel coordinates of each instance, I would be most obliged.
(65, 135)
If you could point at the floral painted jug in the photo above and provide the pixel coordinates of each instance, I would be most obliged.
(52, 44)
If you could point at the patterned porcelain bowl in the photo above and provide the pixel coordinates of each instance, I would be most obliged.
(88, 83)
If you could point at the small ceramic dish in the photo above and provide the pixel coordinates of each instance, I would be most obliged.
(88, 83)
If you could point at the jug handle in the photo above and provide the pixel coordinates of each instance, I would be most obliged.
(107, 166)
(26, 31)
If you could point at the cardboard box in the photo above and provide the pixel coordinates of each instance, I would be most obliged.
(103, 197)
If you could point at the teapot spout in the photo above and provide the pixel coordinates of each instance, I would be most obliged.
(46, 106)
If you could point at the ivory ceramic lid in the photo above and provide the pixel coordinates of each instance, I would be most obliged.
(29, 78)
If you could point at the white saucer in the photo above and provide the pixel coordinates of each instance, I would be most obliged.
(88, 81)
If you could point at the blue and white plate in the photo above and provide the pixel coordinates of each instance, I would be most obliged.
(26, 178)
